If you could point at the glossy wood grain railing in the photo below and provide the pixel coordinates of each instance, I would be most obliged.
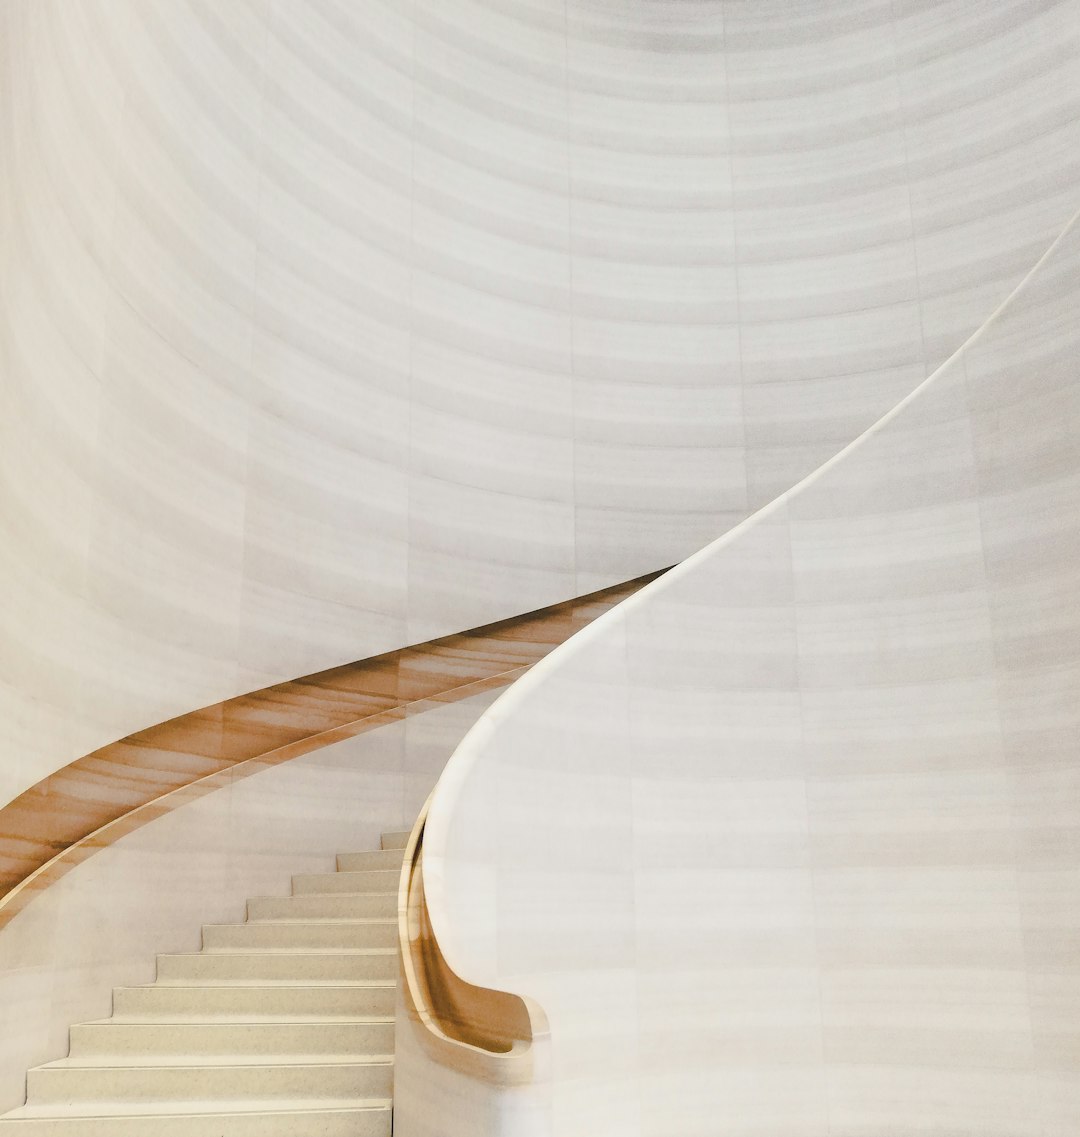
(487, 1034)
(92, 802)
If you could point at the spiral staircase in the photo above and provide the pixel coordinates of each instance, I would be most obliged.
(282, 1026)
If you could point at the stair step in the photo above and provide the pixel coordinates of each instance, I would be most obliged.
(352, 1118)
(282, 1026)
(254, 1002)
(291, 934)
(140, 1043)
(324, 906)
(67, 1082)
(276, 966)
(397, 839)
(368, 880)
(380, 859)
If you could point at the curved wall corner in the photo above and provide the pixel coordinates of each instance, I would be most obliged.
(331, 328)
(786, 843)
(434, 1098)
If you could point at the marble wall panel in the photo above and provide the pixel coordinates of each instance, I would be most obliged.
(820, 782)
(330, 328)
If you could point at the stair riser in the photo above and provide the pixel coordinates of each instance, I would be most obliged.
(376, 880)
(47, 1086)
(292, 935)
(125, 1040)
(234, 967)
(397, 840)
(321, 1123)
(389, 859)
(248, 1003)
(324, 906)
(251, 1036)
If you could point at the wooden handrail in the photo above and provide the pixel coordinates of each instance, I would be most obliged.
(87, 805)
(488, 1034)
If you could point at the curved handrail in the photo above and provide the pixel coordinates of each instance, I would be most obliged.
(99, 798)
(449, 788)
(452, 779)
(479, 1031)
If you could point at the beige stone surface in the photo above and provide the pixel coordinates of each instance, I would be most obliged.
(330, 328)
(785, 844)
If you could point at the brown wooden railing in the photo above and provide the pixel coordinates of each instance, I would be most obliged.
(92, 802)
(490, 1035)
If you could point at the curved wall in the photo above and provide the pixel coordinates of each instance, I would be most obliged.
(94, 801)
(786, 843)
(328, 327)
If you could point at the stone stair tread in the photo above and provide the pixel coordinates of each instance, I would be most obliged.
(307, 982)
(264, 983)
(196, 1061)
(306, 915)
(122, 1079)
(381, 882)
(305, 895)
(378, 876)
(223, 1020)
(286, 951)
(150, 1109)
(168, 1020)
(318, 920)
(204, 983)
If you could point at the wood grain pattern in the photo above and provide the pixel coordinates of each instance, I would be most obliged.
(477, 1031)
(333, 327)
(97, 799)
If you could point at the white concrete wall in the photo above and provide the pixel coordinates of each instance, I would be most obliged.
(786, 843)
(329, 327)
(102, 924)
